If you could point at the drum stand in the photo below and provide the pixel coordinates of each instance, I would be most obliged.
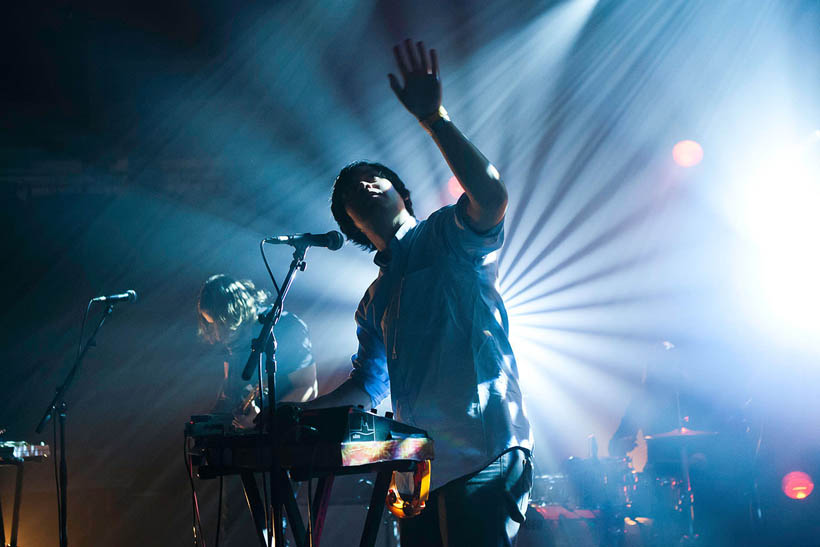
(690, 538)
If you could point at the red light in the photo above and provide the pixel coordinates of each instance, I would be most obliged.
(454, 187)
(687, 153)
(797, 485)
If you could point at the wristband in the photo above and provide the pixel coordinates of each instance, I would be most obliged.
(440, 114)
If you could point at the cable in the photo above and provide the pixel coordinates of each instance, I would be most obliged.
(56, 472)
(54, 418)
(310, 516)
(261, 435)
(310, 490)
(82, 328)
(199, 537)
(260, 425)
(265, 260)
(219, 511)
(268, 512)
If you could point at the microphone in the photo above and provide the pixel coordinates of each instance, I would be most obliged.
(128, 296)
(333, 240)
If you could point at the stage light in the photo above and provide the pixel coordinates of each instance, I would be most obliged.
(687, 153)
(454, 187)
(776, 207)
(797, 485)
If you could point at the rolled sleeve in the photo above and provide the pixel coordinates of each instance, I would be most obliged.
(464, 240)
(370, 364)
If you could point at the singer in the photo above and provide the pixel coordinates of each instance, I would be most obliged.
(432, 328)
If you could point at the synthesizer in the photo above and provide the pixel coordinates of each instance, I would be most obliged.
(332, 440)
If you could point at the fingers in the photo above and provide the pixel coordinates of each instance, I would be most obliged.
(415, 59)
(424, 65)
(400, 61)
(411, 55)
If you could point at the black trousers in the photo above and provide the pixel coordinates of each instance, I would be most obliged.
(484, 508)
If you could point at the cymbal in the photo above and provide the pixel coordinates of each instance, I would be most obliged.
(680, 432)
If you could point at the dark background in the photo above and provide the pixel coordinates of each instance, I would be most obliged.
(149, 145)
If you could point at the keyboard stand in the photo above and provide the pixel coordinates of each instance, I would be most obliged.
(321, 497)
(18, 496)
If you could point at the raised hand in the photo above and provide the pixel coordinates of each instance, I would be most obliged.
(421, 93)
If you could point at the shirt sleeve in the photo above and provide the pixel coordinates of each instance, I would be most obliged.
(370, 361)
(460, 238)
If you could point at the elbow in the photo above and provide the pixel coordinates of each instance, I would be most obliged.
(497, 201)
(487, 201)
(497, 196)
(499, 209)
(488, 211)
(503, 198)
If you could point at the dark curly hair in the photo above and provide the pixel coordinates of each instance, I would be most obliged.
(350, 175)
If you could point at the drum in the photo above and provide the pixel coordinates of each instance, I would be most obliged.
(600, 484)
(552, 490)
(557, 526)
(657, 497)
(553, 525)
(619, 482)
(662, 500)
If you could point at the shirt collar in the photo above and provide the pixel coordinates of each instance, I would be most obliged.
(382, 258)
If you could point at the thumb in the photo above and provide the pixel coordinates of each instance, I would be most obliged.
(395, 86)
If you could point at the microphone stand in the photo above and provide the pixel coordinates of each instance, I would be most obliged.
(266, 342)
(59, 406)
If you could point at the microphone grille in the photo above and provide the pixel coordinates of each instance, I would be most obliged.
(334, 240)
(132, 295)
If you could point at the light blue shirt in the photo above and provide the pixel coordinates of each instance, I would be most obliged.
(432, 332)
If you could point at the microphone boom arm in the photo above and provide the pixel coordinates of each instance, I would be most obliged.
(259, 343)
(63, 388)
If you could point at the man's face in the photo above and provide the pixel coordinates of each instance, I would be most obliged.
(373, 202)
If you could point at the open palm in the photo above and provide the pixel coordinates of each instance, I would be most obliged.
(421, 93)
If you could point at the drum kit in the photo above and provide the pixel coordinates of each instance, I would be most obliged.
(606, 501)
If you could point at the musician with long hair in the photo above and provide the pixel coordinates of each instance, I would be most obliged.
(227, 314)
